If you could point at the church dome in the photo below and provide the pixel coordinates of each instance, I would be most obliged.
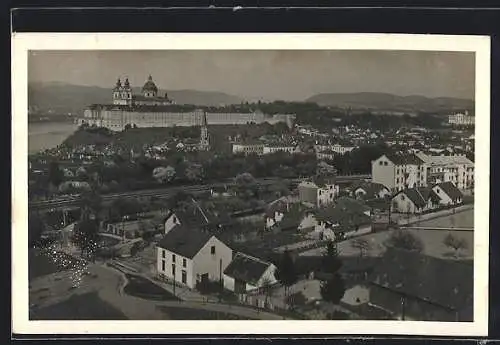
(150, 86)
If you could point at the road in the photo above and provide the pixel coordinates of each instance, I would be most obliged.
(165, 192)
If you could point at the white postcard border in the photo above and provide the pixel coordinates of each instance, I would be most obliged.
(23, 42)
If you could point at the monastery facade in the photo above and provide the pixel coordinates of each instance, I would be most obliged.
(148, 109)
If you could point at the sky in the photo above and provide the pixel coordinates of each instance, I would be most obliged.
(266, 75)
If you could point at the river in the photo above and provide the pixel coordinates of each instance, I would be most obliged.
(45, 135)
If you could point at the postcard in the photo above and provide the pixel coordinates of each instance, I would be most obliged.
(280, 184)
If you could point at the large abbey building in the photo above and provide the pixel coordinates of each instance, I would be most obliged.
(149, 109)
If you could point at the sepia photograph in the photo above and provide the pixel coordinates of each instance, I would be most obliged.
(343, 184)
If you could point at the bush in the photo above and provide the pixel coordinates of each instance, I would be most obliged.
(208, 287)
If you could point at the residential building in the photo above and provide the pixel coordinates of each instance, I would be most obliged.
(346, 219)
(321, 191)
(336, 148)
(190, 256)
(255, 148)
(413, 286)
(247, 273)
(294, 217)
(192, 215)
(453, 168)
(415, 200)
(280, 148)
(461, 119)
(326, 154)
(448, 194)
(370, 190)
(398, 171)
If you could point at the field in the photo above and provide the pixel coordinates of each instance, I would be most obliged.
(432, 240)
(463, 219)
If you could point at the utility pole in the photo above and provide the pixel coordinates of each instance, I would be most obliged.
(220, 280)
(403, 307)
(173, 276)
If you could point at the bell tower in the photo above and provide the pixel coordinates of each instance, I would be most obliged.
(204, 137)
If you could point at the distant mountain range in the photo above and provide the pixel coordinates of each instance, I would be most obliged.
(67, 98)
(385, 101)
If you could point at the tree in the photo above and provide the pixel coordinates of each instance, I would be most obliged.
(56, 175)
(360, 244)
(286, 272)
(194, 172)
(91, 204)
(455, 243)
(245, 185)
(405, 240)
(36, 227)
(333, 289)
(330, 261)
(86, 236)
(164, 174)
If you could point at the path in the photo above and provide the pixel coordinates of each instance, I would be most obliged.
(131, 305)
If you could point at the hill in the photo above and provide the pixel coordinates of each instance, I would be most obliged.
(67, 98)
(389, 102)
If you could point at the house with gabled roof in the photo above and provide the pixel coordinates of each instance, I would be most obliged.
(413, 286)
(248, 273)
(193, 215)
(346, 219)
(415, 200)
(448, 194)
(370, 190)
(189, 256)
(321, 191)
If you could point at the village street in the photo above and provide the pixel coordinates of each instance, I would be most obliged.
(109, 284)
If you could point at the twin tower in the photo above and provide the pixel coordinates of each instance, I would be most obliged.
(123, 95)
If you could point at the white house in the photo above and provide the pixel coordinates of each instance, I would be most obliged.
(246, 273)
(398, 172)
(190, 256)
(248, 148)
(280, 148)
(320, 192)
(344, 220)
(448, 194)
(452, 168)
(371, 190)
(414, 200)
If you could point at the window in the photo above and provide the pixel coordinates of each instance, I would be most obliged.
(173, 258)
(380, 163)
(173, 270)
(163, 265)
(385, 163)
(184, 277)
(184, 262)
(212, 250)
(163, 254)
(402, 197)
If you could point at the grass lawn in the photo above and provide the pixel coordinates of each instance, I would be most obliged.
(88, 306)
(463, 219)
(143, 288)
(432, 240)
(43, 263)
(181, 313)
